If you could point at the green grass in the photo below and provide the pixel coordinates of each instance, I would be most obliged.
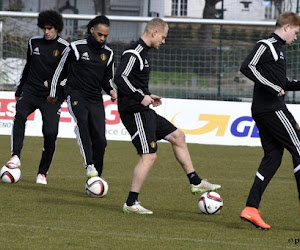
(61, 216)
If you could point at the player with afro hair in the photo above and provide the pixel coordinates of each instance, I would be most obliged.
(52, 18)
(33, 89)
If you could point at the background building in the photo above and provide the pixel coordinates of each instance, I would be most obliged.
(233, 9)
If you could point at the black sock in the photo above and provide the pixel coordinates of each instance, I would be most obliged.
(132, 197)
(194, 178)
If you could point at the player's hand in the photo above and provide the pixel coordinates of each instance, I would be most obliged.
(17, 98)
(147, 100)
(51, 100)
(113, 95)
(18, 94)
(156, 100)
(281, 93)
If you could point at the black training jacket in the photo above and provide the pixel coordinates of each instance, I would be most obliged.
(88, 67)
(43, 57)
(132, 78)
(266, 67)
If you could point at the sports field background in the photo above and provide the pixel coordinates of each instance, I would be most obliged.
(61, 216)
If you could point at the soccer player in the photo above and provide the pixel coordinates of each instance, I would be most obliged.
(266, 66)
(88, 65)
(43, 55)
(145, 126)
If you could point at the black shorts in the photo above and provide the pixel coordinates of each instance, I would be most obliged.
(146, 128)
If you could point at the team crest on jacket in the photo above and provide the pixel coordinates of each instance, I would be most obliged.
(75, 103)
(56, 52)
(153, 144)
(297, 126)
(103, 57)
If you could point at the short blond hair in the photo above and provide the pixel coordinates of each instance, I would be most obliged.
(155, 23)
(288, 17)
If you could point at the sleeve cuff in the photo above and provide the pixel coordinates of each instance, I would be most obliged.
(138, 96)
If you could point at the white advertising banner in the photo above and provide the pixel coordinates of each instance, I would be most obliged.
(204, 122)
(214, 122)
(115, 130)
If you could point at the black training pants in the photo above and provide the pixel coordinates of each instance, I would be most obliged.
(50, 116)
(90, 129)
(278, 130)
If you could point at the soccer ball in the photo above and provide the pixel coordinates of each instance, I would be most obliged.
(96, 187)
(10, 175)
(210, 203)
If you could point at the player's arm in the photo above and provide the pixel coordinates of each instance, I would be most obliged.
(24, 74)
(259, 55)
(61, 72)
(107, 83)
(128, 62)
(293, 85)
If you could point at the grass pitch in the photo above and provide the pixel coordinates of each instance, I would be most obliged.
(61, 216)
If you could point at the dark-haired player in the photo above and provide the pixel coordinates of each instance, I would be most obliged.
(43, 55)
(88, 65)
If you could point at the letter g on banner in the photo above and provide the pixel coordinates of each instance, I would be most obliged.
(245, 129)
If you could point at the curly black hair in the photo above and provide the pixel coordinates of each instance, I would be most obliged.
(97, 20)
(52, 18)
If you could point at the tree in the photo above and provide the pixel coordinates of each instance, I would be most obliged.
(209, 12)
(15, 5)
(102, 7)
(278, 7)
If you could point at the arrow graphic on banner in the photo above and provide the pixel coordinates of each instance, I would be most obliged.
(218, 122)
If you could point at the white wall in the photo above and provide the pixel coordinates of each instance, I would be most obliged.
(157, 6)
(195, 8)
(236, 10)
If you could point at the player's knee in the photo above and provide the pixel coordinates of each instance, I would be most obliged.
(100, 141)
(149, 158)
(21, 116)
(274, 157)
(82, 121)
(50, 135)
(177, 137)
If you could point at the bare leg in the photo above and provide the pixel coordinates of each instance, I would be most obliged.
(181, 151)
(182, 155)
(141, 171)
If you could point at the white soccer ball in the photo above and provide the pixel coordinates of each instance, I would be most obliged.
(96, 187)
(10, 175)
(210, 203)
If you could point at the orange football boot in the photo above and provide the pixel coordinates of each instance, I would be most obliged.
(252, 215)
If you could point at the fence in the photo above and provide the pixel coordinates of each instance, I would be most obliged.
(200, 59)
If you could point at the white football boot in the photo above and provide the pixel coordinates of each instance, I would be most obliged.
(13, 162)
(41, 179)
(91, 171)
(136, 208)
(203, 187)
